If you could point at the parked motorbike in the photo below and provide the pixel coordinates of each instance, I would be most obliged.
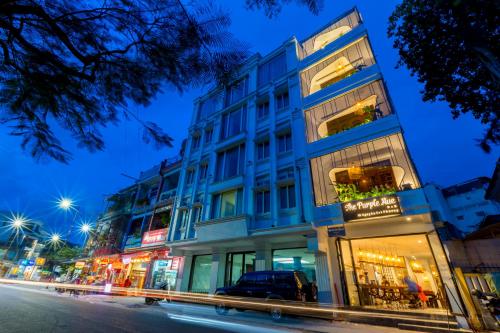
(152, 300)
(491, 302)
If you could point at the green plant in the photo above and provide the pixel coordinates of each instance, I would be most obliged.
(349, 192)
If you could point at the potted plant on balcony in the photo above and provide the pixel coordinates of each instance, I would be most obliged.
(379, 190)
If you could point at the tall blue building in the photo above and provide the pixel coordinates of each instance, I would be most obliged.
(301, 164)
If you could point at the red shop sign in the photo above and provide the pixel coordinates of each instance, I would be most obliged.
(154, 237)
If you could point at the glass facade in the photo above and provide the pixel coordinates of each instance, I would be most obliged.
(200, 274)
(370, 169)
(299, 259)
(395, 272)
(238, 264)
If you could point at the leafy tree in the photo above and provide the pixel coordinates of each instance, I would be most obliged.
(63, 253)
(77, 65)
(273, 7)
(452, 47)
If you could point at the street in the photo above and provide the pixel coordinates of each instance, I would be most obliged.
(25, 309)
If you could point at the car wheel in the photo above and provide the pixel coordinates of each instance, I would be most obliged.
(149, 301)
(276, 313)
(220, 307)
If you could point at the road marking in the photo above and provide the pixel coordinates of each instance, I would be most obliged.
(225, 325)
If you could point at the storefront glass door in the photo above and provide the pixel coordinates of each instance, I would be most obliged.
(237, 264)
(349, 272)
(397, 272)
(200, 274)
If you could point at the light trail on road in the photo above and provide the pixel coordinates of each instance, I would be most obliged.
(305, 309)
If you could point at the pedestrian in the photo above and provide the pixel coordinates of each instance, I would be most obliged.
(127, 283)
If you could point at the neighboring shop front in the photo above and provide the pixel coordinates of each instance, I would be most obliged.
(105, 269)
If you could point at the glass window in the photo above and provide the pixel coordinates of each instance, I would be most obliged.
(208, 135)
(287, 196)
(203, 171)
(190, 176)
(286, 173)
(263, 201)
(233, 122)
(196, 214)
(272, 69)
(210, 105)
(238, 264)
(262, 109)
(236, 91)
(263, 150)
(227, 204)
(282, 100)
(200, 274)
(196, 142)
(284, 142)
(299, 259)
(230, 162)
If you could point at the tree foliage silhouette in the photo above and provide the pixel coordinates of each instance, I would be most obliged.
(452, 47)
(79, 64)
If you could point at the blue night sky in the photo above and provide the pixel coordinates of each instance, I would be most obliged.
(444, 150)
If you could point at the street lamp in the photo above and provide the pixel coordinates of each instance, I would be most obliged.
(85, 228)
(65, 203)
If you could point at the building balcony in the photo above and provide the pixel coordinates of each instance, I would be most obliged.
(336, 67)
(369, 169)
(222, 228)
(329, 34)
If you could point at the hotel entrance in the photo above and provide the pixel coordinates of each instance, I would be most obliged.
(398, 272)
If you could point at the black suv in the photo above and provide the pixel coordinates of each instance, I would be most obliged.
(270, 285)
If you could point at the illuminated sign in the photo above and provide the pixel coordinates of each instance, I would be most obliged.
(387, 205)
(80, 264)
(40, 261)
(154, 237)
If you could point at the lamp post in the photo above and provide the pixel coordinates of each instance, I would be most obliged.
(17, 223)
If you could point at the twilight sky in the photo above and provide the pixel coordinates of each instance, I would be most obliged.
(444, 150)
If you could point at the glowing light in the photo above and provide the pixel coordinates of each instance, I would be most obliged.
(55, 238)
(85, 228)
(16, 222)
(65, 203)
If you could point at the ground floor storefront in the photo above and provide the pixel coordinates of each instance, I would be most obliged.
(139, 269)
(210, 265)
(394, 263)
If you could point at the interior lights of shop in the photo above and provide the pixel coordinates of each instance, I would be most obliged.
(375, 258)
(416, 267)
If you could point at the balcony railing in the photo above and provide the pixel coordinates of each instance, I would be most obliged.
(360, 106)
(357, 183)
(337, 67)
(331, 33)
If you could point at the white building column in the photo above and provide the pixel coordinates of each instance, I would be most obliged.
(184, 273)
(217, 271)
(323, 278)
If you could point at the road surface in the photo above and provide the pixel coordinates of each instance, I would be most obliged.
(25, 309)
